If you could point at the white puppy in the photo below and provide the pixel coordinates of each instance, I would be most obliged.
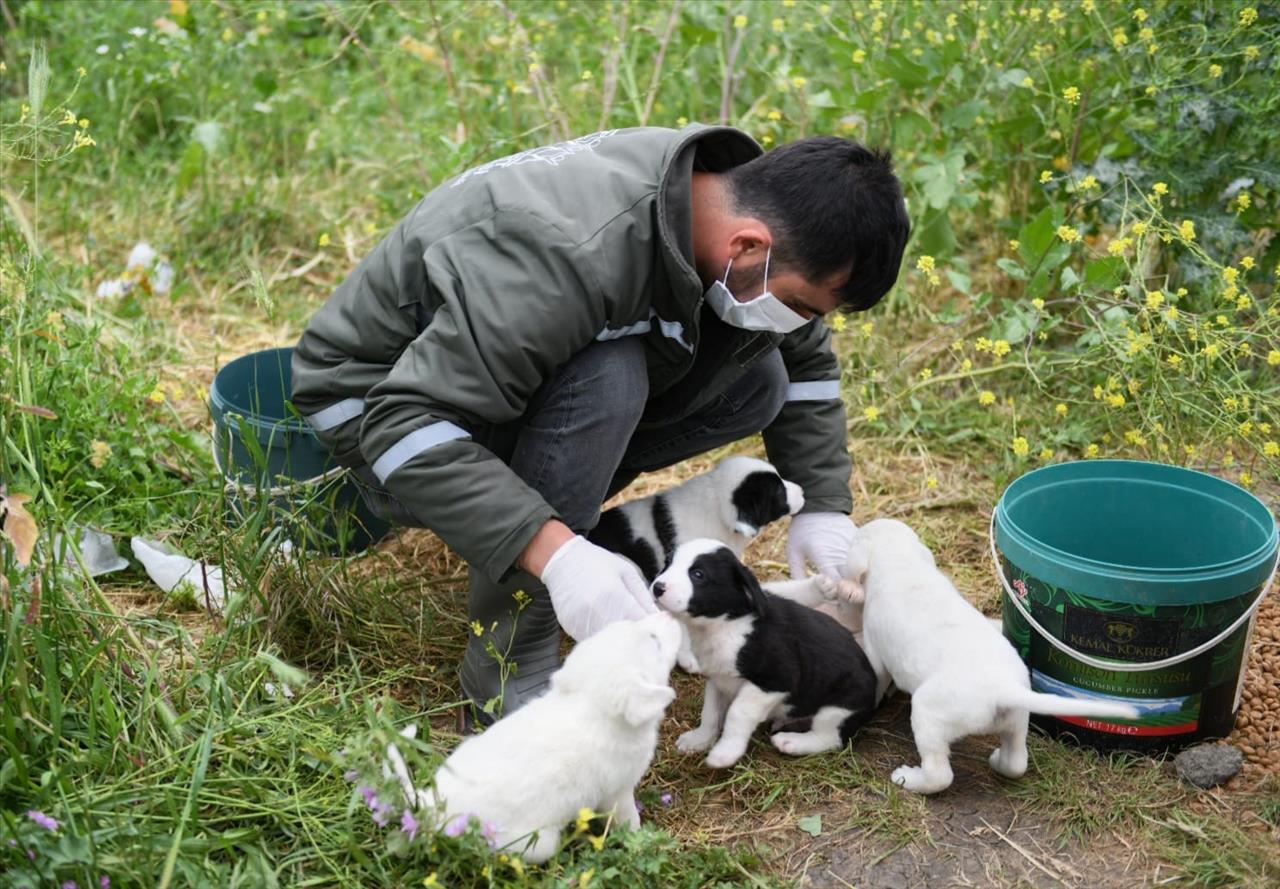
(964, 678)
(585, 743)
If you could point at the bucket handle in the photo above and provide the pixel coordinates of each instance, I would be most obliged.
(251, 491)
(1116, 666)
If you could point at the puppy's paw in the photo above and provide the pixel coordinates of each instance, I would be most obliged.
(694, 742)
(791, 743)
(1011, 765)
(850, 591)
(915, 779)
(828, 588)
(909, 777)
(721, 758)
(688, 662)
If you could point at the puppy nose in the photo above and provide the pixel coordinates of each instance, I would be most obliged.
(658, 589)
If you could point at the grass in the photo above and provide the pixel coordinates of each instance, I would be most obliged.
(264, 147)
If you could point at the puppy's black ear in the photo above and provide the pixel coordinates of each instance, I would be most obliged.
(747, 584)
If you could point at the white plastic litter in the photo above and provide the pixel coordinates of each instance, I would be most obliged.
(98, 551)
(141, 256)
(169, 570)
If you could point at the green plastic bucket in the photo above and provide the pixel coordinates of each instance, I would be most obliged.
(1134, 581)
(272, 459)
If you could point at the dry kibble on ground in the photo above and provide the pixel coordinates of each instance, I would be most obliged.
(1258, 722)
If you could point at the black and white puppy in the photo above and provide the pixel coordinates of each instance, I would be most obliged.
(732, 503)
(765, 657)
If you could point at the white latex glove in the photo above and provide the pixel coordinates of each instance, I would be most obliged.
(169, 570)
(822, 538)
(591, 587)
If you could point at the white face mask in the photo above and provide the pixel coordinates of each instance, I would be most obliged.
(765, 312)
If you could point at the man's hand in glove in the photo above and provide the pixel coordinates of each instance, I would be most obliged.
(591, 587)
(821, 538)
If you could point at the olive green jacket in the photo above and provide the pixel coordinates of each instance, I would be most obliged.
(494, 280)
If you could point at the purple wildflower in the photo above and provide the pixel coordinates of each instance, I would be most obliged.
(457, 826)
(42, 819)
(104, 882)
(370, 796)
(409, 824)
(667, 799)
(350, 775)
(489, 831)
(70, 884)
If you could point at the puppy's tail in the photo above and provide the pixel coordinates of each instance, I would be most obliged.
(1060, 705)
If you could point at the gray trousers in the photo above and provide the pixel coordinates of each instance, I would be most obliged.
(585, 435)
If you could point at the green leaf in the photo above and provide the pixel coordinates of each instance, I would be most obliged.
(812, 825)
(1069, 278)
(191, 165)
(959, 280)
(265, 83)
(936, 237)
(940, 180)
(821, 100)
(1012, 268)
(1105, 273)
(1036, 237)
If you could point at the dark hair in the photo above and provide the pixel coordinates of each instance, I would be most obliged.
(829, 202)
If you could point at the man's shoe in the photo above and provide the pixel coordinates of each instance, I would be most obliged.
(526, 640)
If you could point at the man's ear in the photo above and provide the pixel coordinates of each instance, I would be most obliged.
(645, 702)
(749, 587)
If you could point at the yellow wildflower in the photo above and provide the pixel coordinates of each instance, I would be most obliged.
(1060, 409)
(931, 482)
(838, 322)
(1062, 163)
(1140, 15)
(1046, 454)
(323, 240)
(477, 628)
(1089, 182)
(1038, 304)
(799, 82)
(1271, 449)
(774, 115)
(1155, 299)
(1000, 348)
(1248, 16)
(1229, 460)
(1115, 399)
(1215, 71)
(966, 365)
(866, 327)
(1119, 246)
(1247, 262)
(925, 263)
(778, 25)
(1021, 447)
(100, 452)
(1087, 6)
(859, 56)
(1211, 350)
(1134, 437)
(1246, 479)
(157, 394)
(986, 397)
(871, 412)
(583, 821)
(982, 344)
(597, 841)
(1045, 176)
(1243, 303)
(1072, 95)
(1014, 245)
(1273, 357)
(1091, 451)
(1068, 233)
(1139, 228)
(926, 373)
(1146, 34)
(432, 880)
(68, 117)
(1187, 229)
(739, 21)
(1160, 189)
(1119, 38)
(1175, 360)
(1251, 53)
(1028, 82)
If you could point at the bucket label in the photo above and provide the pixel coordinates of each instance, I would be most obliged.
(1158, 716)
(1195, 698)
(1121, 637)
